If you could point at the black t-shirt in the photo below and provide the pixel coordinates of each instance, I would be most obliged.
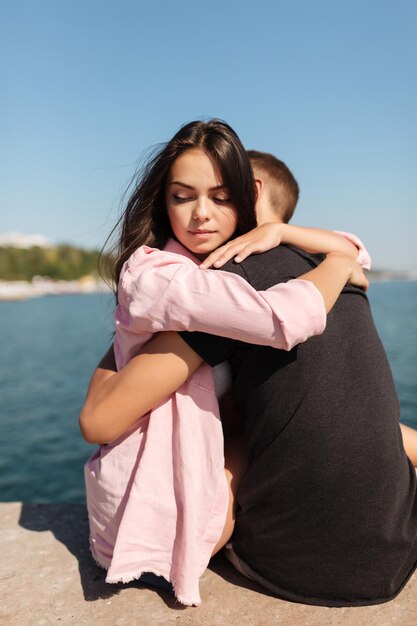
(327, 510)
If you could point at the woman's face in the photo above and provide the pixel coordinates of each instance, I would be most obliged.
(198, 204)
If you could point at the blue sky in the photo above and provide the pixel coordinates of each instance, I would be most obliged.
(329, 86)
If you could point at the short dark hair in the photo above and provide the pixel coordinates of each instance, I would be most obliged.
(283, 188)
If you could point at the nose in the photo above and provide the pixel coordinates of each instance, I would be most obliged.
(201, 211)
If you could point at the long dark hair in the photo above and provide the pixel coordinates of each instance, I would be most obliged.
(145, 219)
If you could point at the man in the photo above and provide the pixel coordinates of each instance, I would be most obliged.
(327, 509)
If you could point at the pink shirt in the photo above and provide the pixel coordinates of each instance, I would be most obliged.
(157, 497)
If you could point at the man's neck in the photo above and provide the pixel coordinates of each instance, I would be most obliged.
(268, 217)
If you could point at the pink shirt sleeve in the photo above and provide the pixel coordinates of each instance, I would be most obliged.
(161, 291)
(363, 258)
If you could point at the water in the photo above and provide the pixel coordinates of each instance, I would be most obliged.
(394, 307)
(51, 345)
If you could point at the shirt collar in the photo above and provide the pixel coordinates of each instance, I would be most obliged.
(174, 246)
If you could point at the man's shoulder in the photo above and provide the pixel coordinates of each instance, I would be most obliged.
(277, 265)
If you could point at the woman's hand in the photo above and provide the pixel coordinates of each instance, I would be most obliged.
(260, 239)
(332, 274)
(356, 274)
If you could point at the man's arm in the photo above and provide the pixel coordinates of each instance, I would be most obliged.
(116, 400)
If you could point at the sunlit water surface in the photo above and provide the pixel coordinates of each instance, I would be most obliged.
(49, 348)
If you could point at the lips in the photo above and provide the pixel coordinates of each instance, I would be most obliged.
(201, 232)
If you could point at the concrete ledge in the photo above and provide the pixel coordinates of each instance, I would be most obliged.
(47, 577)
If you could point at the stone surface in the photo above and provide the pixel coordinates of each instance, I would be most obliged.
(48, 577)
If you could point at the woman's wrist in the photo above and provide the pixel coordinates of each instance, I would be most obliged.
(330, 277)
(341, 263)
(284, 232)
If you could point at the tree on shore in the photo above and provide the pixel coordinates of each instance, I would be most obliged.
(63, 262)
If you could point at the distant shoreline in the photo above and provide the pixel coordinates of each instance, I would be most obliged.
(11, 290)
(391, 276)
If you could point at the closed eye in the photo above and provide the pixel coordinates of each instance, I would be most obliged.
(179, 199)
(222, 200)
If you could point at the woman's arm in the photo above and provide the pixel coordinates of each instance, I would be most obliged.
(117, 400)
(332, 274)
(270, 235)
(160, 291)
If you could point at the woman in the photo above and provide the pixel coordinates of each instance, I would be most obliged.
(199, 189)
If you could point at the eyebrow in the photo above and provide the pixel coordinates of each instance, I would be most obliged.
(177, 182)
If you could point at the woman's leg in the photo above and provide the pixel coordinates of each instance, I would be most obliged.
(410, 442)
(235, 453)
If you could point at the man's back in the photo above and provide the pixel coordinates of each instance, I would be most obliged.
(326, 510)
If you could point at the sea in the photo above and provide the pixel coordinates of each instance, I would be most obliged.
(49, 348)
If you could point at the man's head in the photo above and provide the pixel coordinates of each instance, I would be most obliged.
(277, 188)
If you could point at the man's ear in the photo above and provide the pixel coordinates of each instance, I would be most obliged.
(260, 186)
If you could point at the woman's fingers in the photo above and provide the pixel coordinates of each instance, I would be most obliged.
(247, 251)
(237, 251)
(258, 240)
(223, 254)
(357, 276)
